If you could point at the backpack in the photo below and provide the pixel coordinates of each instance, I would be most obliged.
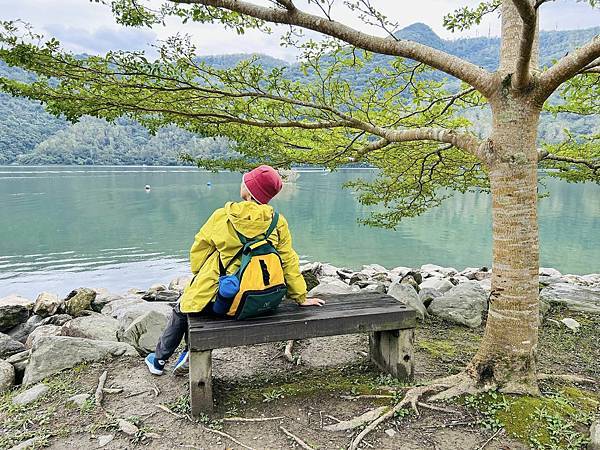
(260, 279)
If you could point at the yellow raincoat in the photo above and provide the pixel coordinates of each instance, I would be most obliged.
(218, 237)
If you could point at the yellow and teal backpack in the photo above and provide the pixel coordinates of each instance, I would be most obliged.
(258, 286)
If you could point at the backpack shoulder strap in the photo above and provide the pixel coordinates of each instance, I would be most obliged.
(273, 225)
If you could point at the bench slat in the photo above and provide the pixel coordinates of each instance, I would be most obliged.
(343, 314)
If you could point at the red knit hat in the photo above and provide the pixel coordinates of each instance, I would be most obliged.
(263, 183)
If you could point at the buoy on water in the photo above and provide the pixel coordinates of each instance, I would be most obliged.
(147, 187)
(209, 184)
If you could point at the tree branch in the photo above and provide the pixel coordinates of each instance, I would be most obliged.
(544, 154)
(521, 76)
(567, 67)
(475, 76)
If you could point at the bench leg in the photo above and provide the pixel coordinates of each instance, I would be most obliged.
(201, 397)
(393, 352)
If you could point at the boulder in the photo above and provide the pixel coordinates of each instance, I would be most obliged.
(162, 296)
(327, 270)
(358, 276)
(486, 285)
(102, 299)
(427, 295)
(93, 326)
(19, 361)
(571, 324)
(574, 297)
(549, 272)
(21, 331)
(46, 304)
(30, 395)
(591, 279)
(9, 346)
(78, 301)
(143, 333)
(128, 309)
(406, 294)
(310, 279)
(463, 304)
(400, 271)
(409, 280)
(7, 376)
(29, 444)
(439, 284)
(179, 283)
(58, 319)
(332, 288)
(51, 354)
(433, 268)
(42, 330)
(14, 310)
(378, 288)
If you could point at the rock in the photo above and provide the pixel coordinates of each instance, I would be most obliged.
(128, 309)
(28, 444)
(19, 361)
(161, 296)
(591, 279)
(418, 277)
(127, 427)
(21, 331)
(46, 304)
(409, 280)
(94, 326)
(105, 439)
(7, 376)
(547, 281)
(594, 443)
(445, 271)
(439, 284)
(427, 295)
(376, 268)
(78, 301)
(407, 295)
(475, 273)
(9, 346)
(77, 400)
(358, 276)
(486, 285)
(179, 283)
(158, 287)
(572, 296)
(58, 319)
(143, 333)
(310, 279)
(327, 270)
(549, 272)
(51, 354)
(102, 299)
(42, 330)
(332, 288)
(14, 310)
(463, 304)
(400, 271)
(571, 324)
(378, 288)
(390, 432)
(30, 395)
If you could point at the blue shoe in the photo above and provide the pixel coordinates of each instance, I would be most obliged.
(182, 365)
(155, 366)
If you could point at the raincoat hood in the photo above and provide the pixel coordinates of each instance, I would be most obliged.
(249, 218)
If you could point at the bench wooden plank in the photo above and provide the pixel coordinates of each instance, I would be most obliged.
(347, 314)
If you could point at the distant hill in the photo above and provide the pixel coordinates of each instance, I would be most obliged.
(29, 135)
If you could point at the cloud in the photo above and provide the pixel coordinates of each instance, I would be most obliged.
(101, 39)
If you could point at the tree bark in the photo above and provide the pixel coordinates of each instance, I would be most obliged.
(507, 355)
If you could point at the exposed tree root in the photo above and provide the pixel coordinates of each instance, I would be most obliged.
(451, 386)
(567, 377)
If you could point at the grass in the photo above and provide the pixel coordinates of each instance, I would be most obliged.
(558, 420)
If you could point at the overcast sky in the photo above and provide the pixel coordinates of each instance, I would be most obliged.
(84, 26)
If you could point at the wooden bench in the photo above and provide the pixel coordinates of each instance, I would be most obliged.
(390, 324)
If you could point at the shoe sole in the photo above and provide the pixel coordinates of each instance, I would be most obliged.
(153, 370)
(183, 367)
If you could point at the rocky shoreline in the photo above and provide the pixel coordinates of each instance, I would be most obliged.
(41, 337)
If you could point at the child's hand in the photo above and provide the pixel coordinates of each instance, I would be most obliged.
(313, 302)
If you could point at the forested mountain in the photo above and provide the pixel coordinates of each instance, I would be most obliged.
(29, 135)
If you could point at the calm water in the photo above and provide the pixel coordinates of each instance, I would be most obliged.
(64, 227)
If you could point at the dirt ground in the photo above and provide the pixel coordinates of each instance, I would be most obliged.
(334, 382)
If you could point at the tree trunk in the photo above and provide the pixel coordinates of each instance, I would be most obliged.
(507, 355)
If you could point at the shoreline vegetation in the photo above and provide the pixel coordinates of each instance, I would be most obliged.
(53, 351)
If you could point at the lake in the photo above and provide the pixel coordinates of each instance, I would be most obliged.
(65, 227)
